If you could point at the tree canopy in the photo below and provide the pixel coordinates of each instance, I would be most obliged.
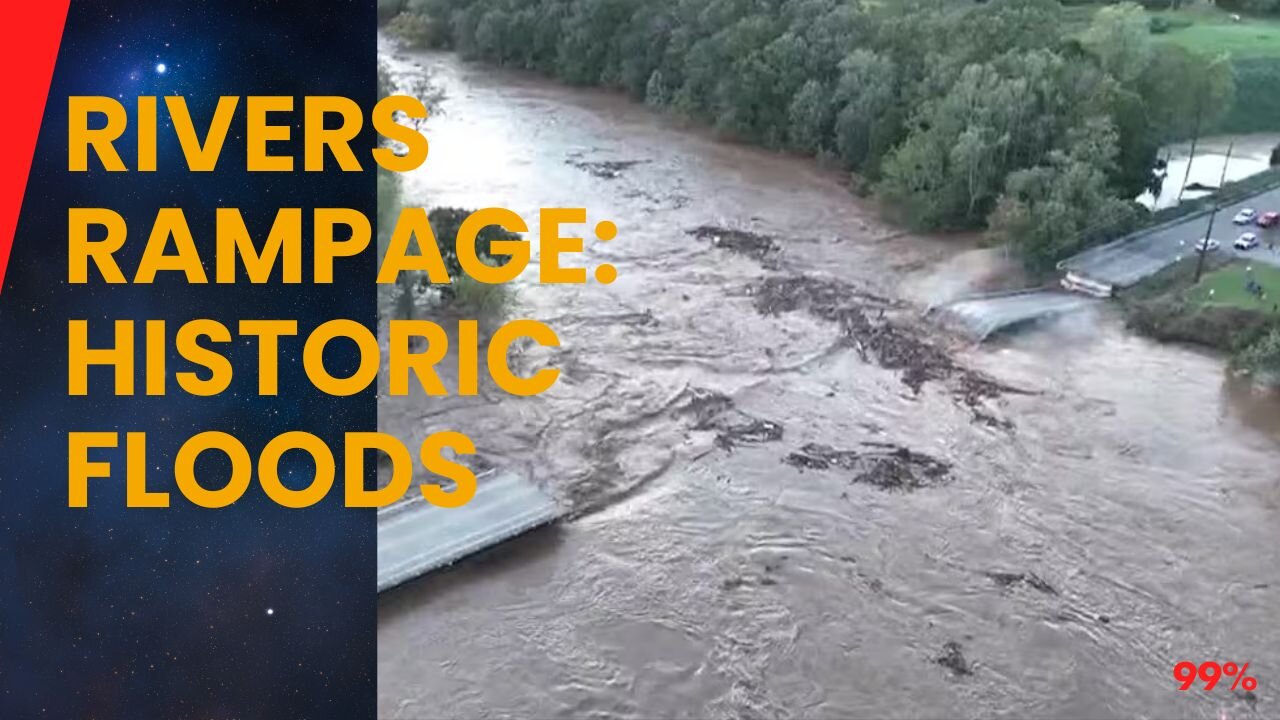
(963, 115)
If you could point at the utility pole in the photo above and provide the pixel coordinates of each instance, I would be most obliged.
(1195, 137)
(1217, 205)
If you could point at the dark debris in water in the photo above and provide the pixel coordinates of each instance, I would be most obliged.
(1247, 696)
(828, 299)
(952, 658)
(1029, 579)
(605, 169)
(767, 576)
(899, 347)
(671, 200)
(816, 456)
(715, 411)
(899, 468)
(743, 242)
(874, 327)
(975, 387)
(704, 405)
(884, 465)
(749, 431)
(864, 324)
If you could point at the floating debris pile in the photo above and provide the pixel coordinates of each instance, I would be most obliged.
(884, 465)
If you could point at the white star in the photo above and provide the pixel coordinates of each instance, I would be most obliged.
(271, 611)
(160, 68)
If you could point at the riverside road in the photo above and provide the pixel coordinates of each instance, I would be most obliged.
(1119, 264)
(1126, 262)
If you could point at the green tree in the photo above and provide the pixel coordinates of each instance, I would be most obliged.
(1055, 209)
(1120, 37)
(868, 120)
(810, 118)
(643, 45)
(1185, 92)
(951, 167)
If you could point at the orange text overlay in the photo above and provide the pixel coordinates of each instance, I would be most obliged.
(137, 357)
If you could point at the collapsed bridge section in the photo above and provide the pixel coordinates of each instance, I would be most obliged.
(980, 316)
(415, 537)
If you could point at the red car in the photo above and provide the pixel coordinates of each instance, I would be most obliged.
(1269, 219)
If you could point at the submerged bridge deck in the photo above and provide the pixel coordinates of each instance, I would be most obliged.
(980, 316)
(415, 537)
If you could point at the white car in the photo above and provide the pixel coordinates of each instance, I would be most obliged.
(1247, 241)
(1207, 245)
(1245, 216)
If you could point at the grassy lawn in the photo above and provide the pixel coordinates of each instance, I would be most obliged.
(1225, 287)
(1208, 30)
(1213, 33)
(1168, 307)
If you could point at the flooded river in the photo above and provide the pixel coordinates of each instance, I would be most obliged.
(788, 497)
(1250, 155)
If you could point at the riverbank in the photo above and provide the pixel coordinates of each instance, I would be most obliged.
(1248, 170)
(1219, 312)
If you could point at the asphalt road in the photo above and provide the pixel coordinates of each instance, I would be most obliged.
(1126, 262)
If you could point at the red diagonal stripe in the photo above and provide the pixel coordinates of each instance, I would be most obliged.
(30, 31)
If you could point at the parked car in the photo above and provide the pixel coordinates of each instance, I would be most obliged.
(1247, 241)
(1245, 216)
(1207, 245)
(1269, 219)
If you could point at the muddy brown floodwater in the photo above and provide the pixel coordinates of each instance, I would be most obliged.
(790, 498)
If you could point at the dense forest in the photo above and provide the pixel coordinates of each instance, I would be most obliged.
(958, 115)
